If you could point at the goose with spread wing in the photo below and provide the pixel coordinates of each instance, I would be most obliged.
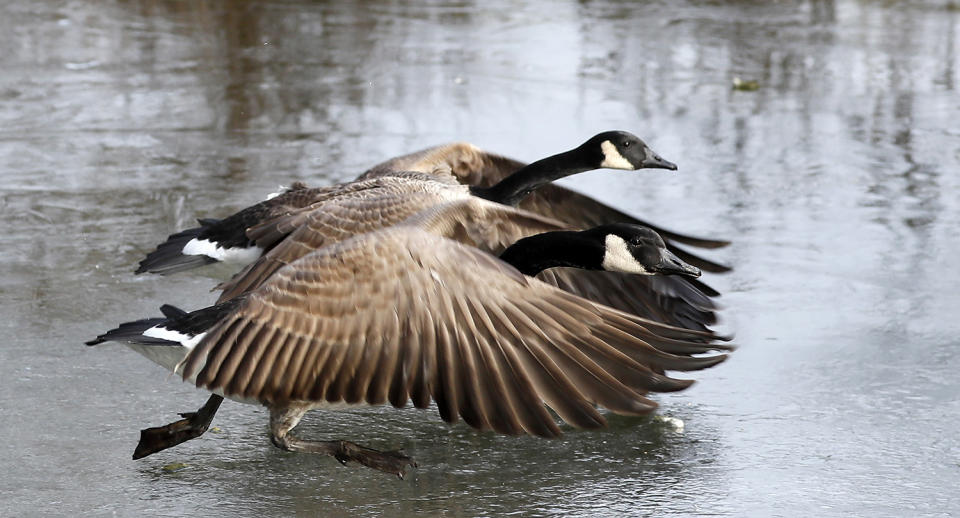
(408, 314)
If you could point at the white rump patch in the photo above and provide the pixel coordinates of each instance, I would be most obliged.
(229, 255)
(188, 341)
(613, 159)
(617, 257)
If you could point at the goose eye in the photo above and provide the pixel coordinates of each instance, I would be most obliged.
(626, 143)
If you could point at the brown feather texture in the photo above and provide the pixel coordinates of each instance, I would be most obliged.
(403, 313)
(384, 202)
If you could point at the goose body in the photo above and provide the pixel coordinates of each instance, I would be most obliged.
(405, 313)
(225, 240)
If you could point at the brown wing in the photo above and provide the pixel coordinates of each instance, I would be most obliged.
(296, 197)
(388, 202)
(489, 226)
(291, 209)
(402, 314)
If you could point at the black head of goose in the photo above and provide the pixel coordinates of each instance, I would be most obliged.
(610, 149)
(486, 343)
(619, 247)
(226, 239)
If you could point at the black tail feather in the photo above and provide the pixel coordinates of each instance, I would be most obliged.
(132, 332)
(172, 312)
(169, 258)
(178, 320)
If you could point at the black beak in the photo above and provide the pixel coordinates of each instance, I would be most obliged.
(673, 265)
(655, 161)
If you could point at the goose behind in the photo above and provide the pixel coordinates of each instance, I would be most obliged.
(226, 240)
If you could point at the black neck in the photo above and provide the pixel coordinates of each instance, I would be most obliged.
(533, 254)
(514, 188)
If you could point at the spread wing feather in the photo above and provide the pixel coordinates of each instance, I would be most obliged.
(403, 313)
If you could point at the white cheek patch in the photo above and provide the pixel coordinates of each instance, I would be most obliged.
(617, 257)
(214, 251)
(184, 339)
(613, 159)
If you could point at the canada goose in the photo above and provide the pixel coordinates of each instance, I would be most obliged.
(470, 165)
(226, 240)
(485, 225)
(405, 313)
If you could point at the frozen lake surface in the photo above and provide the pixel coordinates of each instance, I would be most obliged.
(838, 181)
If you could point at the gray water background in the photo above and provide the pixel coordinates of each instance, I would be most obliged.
(837, 181)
